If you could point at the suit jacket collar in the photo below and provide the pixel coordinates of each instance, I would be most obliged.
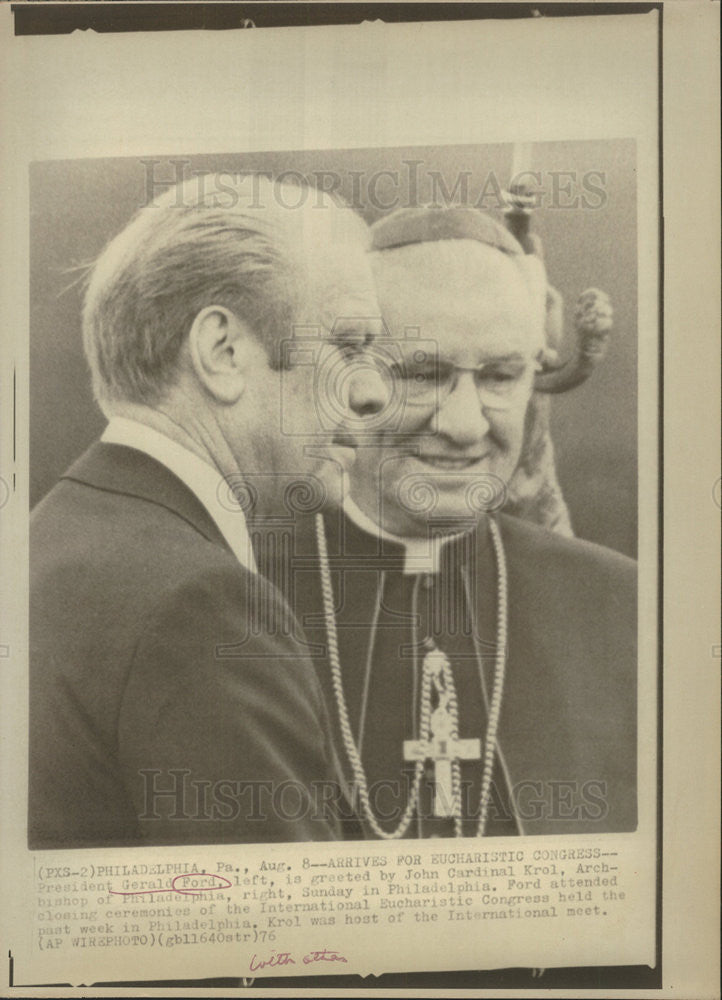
(118, 469)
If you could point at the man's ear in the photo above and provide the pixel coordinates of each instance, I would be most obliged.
(222, 348)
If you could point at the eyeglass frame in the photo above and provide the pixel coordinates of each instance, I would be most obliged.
(442, 391)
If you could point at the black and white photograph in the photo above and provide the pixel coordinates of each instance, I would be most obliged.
(345, 388)
(334, 556)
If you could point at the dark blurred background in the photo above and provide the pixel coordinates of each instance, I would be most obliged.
(586, 219)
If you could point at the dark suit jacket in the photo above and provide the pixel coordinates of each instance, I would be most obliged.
(160, 665)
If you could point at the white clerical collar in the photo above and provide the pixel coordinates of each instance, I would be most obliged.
(421, 555)
(200, 477)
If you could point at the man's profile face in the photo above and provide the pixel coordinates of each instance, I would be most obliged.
(448, 306)
(306, 408)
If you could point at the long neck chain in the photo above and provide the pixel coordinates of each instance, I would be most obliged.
(428, 680)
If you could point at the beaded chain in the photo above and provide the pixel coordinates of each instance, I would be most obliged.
(441, 679)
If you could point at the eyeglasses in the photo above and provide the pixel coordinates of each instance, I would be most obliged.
(500, 384)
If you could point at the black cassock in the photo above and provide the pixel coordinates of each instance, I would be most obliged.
(566, 754)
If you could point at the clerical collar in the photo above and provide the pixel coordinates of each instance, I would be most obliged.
(421, 555)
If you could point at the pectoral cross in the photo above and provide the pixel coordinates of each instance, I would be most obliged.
(442, 749)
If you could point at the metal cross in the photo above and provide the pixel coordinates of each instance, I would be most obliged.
(442, 749)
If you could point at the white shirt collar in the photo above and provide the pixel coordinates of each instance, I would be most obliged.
(421, 555)
(200, 477)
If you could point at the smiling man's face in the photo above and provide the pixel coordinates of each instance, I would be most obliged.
(471, 305)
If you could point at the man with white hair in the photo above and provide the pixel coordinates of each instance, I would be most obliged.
(171, 701)
(481, 670)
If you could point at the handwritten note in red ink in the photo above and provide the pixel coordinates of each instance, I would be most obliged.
(280, 958)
